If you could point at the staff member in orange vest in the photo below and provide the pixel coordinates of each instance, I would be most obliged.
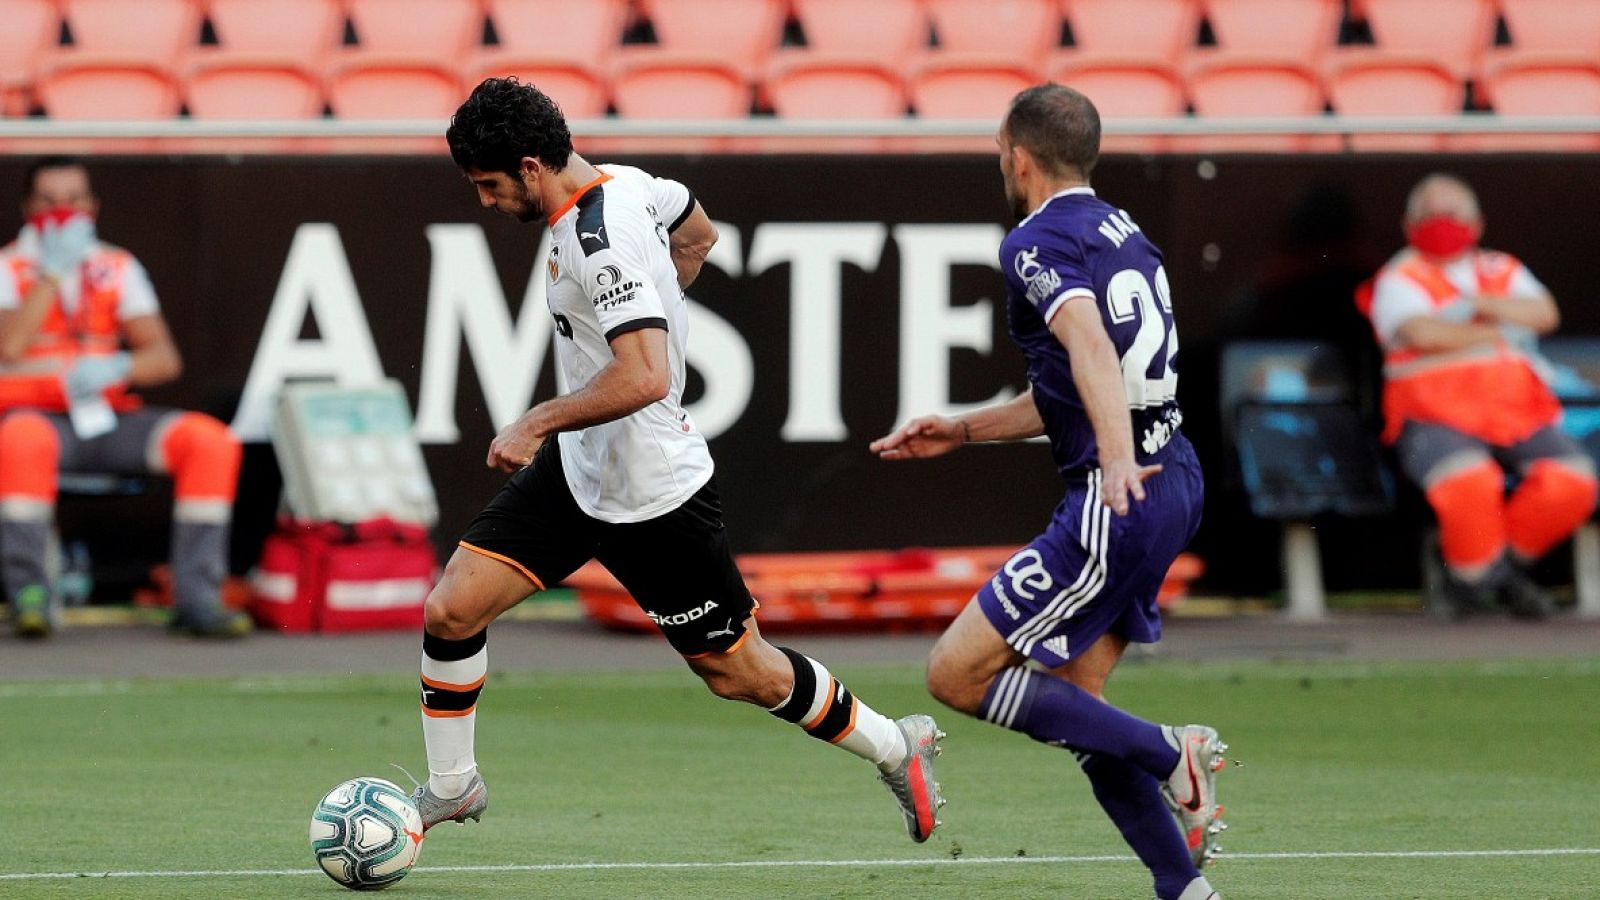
(1466, 404)
(79, 326)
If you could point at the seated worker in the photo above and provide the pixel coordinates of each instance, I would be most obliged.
(79, 326)
(1465, 402)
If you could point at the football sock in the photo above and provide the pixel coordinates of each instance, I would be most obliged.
(1198, 889)
(1132, 798)
(1055, 711)
(825, 708)
(452, 676)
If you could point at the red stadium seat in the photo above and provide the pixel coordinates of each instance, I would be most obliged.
(1541, 84)
(1027, 30)
(657, 84)
(1164, 29)
(1453, 32)
(233, 85)
(1384, 84)
(441, 30)
(968, 85)
(97, 86)
(744, 32)
(1302, 28)
(892, 30)
(587, 31)
(30, 31)
(578, 88)
(398, 86)
(305, 27)
(1137, 88)
(158, 30)
(1565, 26)
(1229, 86)
(816, 85)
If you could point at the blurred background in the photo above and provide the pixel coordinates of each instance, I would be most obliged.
(279, 168)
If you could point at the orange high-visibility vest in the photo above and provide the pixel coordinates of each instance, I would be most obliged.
(93, 328)
(1491, 392)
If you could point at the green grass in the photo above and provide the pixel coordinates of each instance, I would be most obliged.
(221, 775)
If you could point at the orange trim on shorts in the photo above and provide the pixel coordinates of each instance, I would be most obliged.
(573, 200)
(449, 713)
(538, 585)
(736, 645)
(848, 729)
(447, 686)
(833, 685)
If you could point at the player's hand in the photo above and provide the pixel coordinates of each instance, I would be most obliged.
(515, 445)
(64, 243)
(1121, 479)
(921, 438)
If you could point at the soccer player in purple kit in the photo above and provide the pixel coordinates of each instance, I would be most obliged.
(1089, 305)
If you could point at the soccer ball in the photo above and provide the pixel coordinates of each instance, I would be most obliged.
(366, 834)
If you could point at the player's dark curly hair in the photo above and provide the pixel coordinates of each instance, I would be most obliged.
(1058, 125)
(505, 120)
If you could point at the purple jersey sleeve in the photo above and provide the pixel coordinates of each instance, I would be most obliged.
(1045, 275)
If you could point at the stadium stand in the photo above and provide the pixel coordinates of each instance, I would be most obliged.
(744, 32)
(1164, 29)
(1558, 25)
(891, 30)
(308, 29)
(1540, 84)
(102, 86)
(1146, 88)
(243, 86)
(821, 85)
(442, 30)
(31, 29)
(1238, 85)
(1392, 85)
(578, 87)
(1454, 32)
(660, 84)
(159, 31)
(1306, 29)
(588, 32)
(951, 85)
(393, 86)
(1026, 30)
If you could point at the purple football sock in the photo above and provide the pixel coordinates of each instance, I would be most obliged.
(1058, 712)
(1132, 798)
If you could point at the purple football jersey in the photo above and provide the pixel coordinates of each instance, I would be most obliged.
(1076, 245)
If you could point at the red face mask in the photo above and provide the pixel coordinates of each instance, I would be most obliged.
(1442, 236)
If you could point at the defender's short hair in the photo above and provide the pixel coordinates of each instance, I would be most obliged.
(1058, 125)
(505, 120)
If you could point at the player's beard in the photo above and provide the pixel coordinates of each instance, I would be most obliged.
(529, 208)
(1019, 202)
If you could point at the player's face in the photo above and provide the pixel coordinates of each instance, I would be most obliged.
(66, 187)
(1008, 174)
(506, 193)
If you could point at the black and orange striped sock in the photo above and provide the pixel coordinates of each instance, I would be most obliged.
(821, 705)
(452, 676)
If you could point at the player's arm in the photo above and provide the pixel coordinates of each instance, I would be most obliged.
(152, 355)
(691, 241)
(1097, 373)
(1014, 420)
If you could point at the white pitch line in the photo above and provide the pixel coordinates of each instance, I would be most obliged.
(828, 863)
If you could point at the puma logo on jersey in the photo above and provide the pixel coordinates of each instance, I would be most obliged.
(596, 235)
(721, 631)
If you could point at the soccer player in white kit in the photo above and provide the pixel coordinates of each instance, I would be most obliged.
(627, 478)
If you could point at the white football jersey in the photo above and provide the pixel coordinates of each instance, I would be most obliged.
(610, 273)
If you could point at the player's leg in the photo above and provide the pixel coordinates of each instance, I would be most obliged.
(1555, 496)
(202, 457)
(1466, 488)
(530, 535)
(680, 570)
(30, 453)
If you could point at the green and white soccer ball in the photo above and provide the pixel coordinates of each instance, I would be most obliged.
(366, 834)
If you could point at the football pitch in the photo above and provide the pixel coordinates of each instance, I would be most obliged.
(1436, 780)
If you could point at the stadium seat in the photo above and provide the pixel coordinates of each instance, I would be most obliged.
(578, 88)
(818, 85)
(1383, 84)
(1244, 86)
(252, 86)
(1453, 32)
(1301, 28)
(587, 31)
(968, 85)
(30, 31)
(1136, 88)
(657, 84)
(1027, 30)
(102, 86)
(305, 27)
(161, 31)
(398, 86)
(441, 30)
(892, 30)
(1164, 29)
(1567, 26)
(743, 32)
(1540, 84)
